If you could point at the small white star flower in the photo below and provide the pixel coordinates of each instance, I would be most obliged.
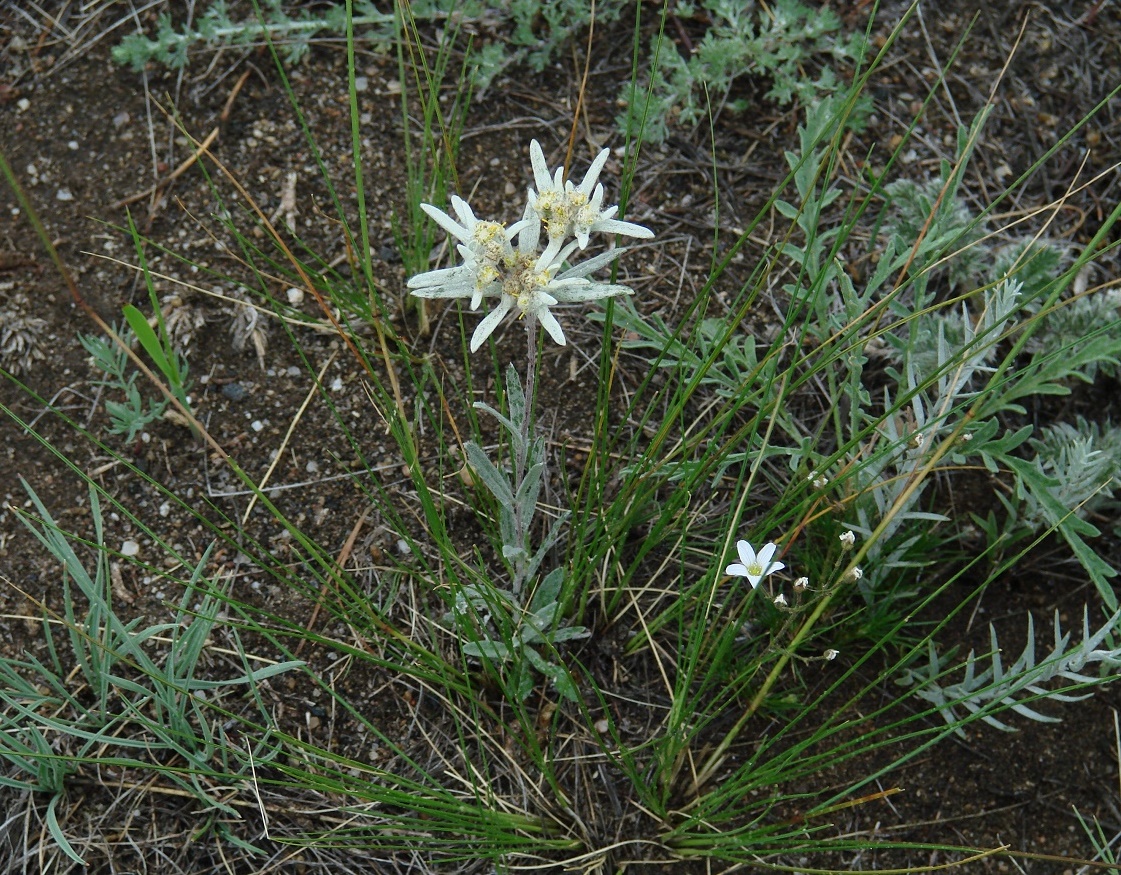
(848, 539)
(780, 601)
(801, 584)
(830, 655)
(754, 566)
(854, 574)
(573, 210)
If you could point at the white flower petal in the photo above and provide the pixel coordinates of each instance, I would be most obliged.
(592, 264)
(627, 229)
(490, 322)
(596, 199)
(432, 278)
(463, 286)
(540, 168)
(551, 325)
(447, 223)
(593, 172)
(549, 256)
(464, 212)
(588, 292)
(529, 235)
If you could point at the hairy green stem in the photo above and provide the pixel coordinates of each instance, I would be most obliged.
(521, 450)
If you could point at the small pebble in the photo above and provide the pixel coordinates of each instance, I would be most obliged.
(235, 391)
(63, 194)
(403, 547)
(130, 548)
(337, 384)
(72, 145)
(23, 104)
(256, 425)
(295, 297)
(293, 371)
(361, 83)
(312, 467)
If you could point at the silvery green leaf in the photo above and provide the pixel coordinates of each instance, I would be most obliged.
(523, 684)
(787, 210)
(487, 649)
(528, 491)
(506, 422)
(539, 662)
(569, 633)
(506, 527)
(515, 397)
(997, 686)
(551, 538)
(548, 590)
(562, 680)
(253, 677)
(529, 634)
(593, 264)
(544, 616)
(492, 478)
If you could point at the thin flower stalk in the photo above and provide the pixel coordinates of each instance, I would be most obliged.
(716, 758)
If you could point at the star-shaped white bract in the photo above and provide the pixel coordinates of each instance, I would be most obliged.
(484, 247)
(521, 278)
(573, 210)
(754, 566)
(532, 284)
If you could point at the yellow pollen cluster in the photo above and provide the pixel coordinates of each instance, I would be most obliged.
(491, 236)
(486, 275)
(586, 216)
(556, 210)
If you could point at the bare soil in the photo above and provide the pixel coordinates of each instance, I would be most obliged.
(86, 137)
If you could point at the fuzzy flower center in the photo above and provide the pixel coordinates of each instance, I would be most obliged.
(490, 241)
(521, 280)
(561, 210)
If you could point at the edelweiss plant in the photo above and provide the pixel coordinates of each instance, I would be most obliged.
(508, 264)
